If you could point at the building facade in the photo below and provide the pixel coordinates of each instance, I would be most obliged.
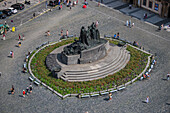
(161, 7)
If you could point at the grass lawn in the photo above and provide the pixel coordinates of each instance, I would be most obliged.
(135, 66)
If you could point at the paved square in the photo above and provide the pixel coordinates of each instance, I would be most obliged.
(110, 21)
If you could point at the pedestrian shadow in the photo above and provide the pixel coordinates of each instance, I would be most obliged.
(157, 30)
(144, 101)
(9, 56)
(164, 79)
(20, 96)
(9, 92)
(168, 103)
(106, 99)
(16, 46)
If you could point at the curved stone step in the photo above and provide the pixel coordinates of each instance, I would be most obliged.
(98, 76)
(100, 70)
(101, 74)
(104, 63)
(94, 65)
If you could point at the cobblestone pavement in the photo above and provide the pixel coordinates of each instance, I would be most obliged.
(10, 2)
(110, 22)
(136, 12)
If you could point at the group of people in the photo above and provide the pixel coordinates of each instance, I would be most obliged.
(28, 90)
(116, 35)
(25, 92)
(145, 15)
(129, 24)
(19, 39)
(62, 32)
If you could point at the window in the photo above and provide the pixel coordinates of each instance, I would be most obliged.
(150, 4)
(144, 2)
(156, 6)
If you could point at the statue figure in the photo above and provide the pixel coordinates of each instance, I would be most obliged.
(83, 36)
(87, 39)
(93, 31)
(97, 34)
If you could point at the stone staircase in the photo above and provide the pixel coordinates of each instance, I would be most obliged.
(116, 59)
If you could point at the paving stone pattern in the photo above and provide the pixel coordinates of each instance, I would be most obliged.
(135, 12)
(110, 22)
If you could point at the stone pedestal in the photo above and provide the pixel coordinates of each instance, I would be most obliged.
(86, 56)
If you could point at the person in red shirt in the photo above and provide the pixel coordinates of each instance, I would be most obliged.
(19, 36)
(23, 93)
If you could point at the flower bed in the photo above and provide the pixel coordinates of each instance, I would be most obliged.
(135, 66)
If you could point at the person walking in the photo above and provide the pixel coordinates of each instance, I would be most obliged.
(127, 23)
(48, 33)
(23, 93)
(67, 33)
(27, 89)
(33, 15)
(98, 4)
(23, 38)
(3, 38)
(114, 35)
(19, 37)
(168, 76)
(110, 96)
(60, 7)
(12, 90)
(30, 88)
(147, 99)
(133, 24)
(12, 54)
(58, 2)
(130, 23)
(118, 35)
(61, 32)
(19, 44)
(97, 23)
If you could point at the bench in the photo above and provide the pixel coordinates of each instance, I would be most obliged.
(122, 39)
(149, 70)
(70, 36)
(38, 47)
(104, 93)
(112, 91)
(121, 88)
(108, 36)
(30, 78)
(37, 83)
(85, 96)
(93, 95)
